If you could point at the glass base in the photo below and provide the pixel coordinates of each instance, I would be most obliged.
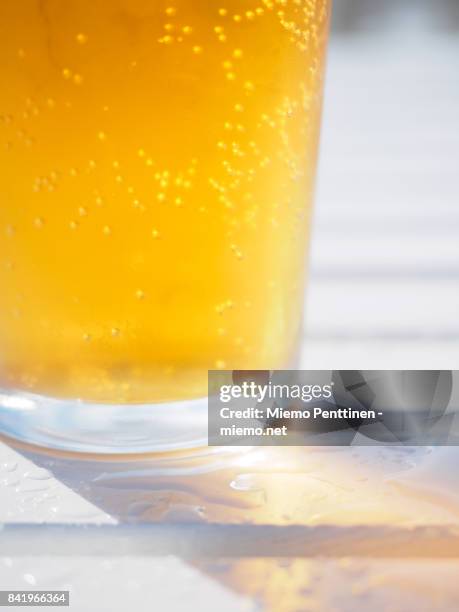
(85, 427)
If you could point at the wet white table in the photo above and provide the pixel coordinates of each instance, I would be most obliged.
(384, 293)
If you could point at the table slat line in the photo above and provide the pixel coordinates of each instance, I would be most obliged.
(223, 540)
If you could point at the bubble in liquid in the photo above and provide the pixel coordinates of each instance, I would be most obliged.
(139, 294)
(155, 233)
(107, 230)
(81, 38)
(39, 222)
(237, 251)
(115, 332)
(197, 50)
(221, 308)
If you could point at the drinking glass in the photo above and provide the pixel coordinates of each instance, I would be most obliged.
(157, 170)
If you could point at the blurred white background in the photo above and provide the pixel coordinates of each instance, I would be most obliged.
(384, 287)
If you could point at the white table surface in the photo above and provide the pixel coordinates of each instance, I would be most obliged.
(383, 293)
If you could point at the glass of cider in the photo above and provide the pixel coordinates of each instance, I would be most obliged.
(157, 171)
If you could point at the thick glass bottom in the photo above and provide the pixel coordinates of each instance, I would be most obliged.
(85, 427)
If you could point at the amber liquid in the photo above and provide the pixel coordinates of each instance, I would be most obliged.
(157, 164)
